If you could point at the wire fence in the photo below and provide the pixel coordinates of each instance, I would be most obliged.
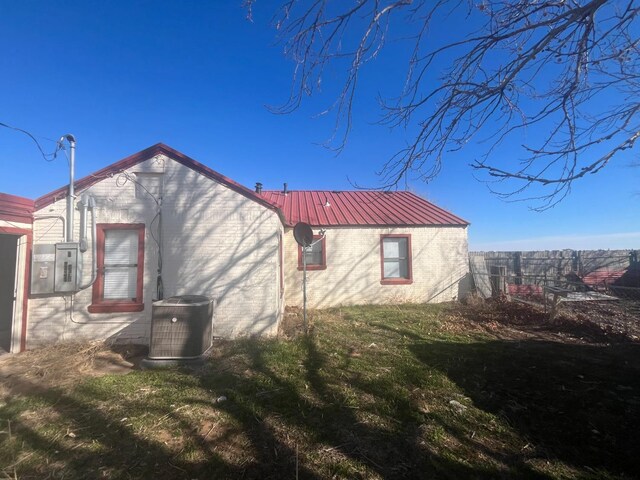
(549, 292)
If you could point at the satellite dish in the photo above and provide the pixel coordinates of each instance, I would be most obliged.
(303, 234)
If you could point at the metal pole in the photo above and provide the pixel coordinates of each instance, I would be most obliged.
(72, 196)
(304, 288)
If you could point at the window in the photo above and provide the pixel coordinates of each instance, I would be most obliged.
(120, 263)
(395, 257)
(316, 255)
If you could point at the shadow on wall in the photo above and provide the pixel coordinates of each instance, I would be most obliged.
(465, 286)
(227, 249)
(348, 287)
(215, 243)
(360, 284)
(460, 285)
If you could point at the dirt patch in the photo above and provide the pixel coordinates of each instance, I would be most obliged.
(599, 322)
(614, 320)
(292, 324)
(63, 364)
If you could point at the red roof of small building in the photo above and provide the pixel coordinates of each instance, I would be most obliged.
(325, 208)
(16, 209)
(602, 276)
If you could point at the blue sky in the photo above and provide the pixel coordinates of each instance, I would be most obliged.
(197, 76)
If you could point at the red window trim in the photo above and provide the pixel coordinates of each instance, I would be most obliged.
(98, 303)
(323, 265)
(396, 281)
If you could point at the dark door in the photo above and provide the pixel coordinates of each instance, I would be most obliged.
(8, 254)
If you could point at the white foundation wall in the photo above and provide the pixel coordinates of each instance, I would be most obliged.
(439, 261)
(215, 242)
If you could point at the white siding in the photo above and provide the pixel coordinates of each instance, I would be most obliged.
(6, 223)
(439, 259)
(216, 242)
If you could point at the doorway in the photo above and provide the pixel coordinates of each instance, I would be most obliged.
(8, 293)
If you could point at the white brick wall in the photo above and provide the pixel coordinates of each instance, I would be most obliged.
(216, 242)
(439, 259)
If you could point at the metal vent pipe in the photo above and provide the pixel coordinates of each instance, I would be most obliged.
(72, 196)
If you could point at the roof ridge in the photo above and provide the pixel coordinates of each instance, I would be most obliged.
(289, 190)
(143, 155)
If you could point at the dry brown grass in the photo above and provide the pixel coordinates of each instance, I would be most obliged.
(62, 365)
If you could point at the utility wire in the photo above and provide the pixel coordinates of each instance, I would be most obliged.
(49, 157)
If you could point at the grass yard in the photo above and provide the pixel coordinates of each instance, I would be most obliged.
(412, 391)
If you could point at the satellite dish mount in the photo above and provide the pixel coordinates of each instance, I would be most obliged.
(303, 234)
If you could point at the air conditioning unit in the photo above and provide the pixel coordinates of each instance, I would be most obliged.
(181, 328)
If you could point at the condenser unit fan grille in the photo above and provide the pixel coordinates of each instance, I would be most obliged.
(181, 327)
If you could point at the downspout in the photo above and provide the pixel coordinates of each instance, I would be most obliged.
(82, 207)
(91, 204)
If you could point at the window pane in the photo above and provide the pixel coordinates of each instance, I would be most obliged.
(402, 247)
(404, 268)
(314, 254)
(120, 264)
(391, 247)
(120, 247)
(391, 269)
(396, 257)
(120, 283)
(395, 247)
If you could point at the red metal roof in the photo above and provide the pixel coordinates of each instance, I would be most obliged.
(345, 208)
(322, 208)
(16, 209)
(602, 276)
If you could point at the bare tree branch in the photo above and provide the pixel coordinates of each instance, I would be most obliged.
(550, 88)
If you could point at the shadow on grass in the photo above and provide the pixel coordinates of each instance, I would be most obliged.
(298, 409)
(577, 403)
(96, 443)
(324, 415)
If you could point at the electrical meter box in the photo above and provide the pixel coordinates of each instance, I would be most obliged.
(54, 268)
(66, 268)
(42, 269)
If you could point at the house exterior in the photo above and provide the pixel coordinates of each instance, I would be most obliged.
(168, 225)
(379, 247)
(16, 238)
(217, 238)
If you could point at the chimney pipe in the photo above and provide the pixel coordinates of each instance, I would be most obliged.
(285, 191)
(258, 187)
